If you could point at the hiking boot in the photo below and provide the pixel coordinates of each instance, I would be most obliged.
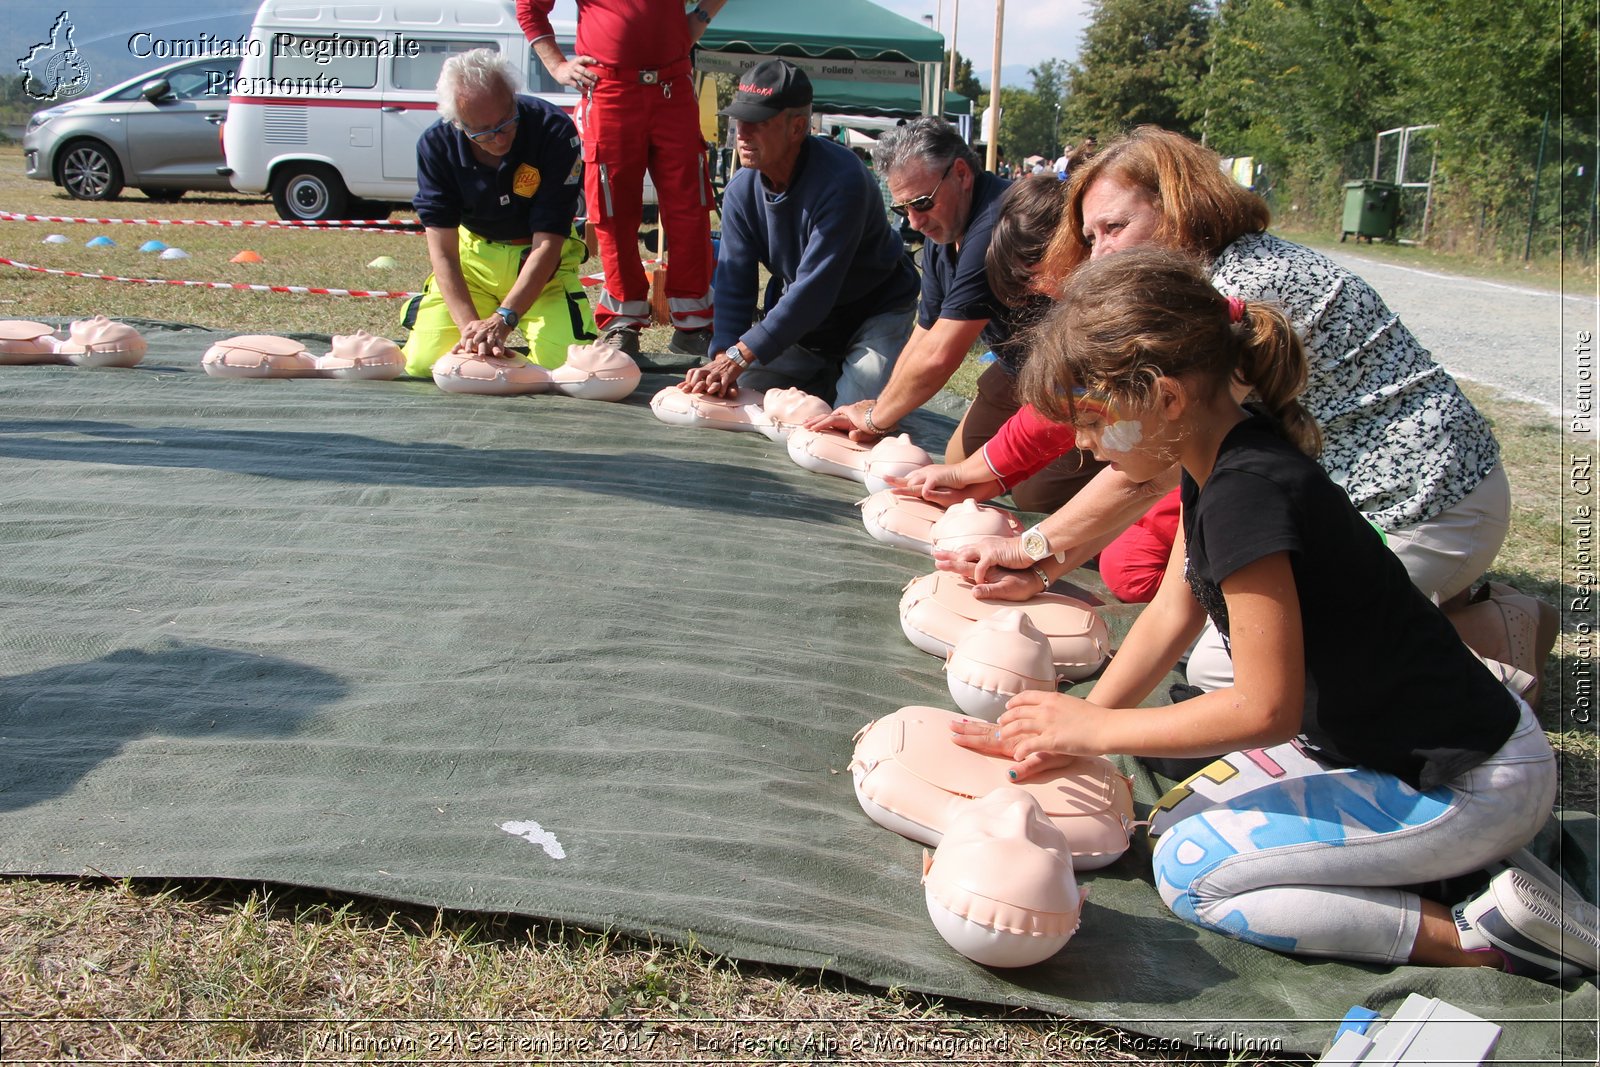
(690, 343)
(1531, 927)
(624, 339)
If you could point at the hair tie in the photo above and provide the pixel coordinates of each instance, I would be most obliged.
(1235, 309)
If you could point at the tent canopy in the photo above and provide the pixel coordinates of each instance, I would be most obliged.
(871, 98)
(862, 59)
(856, 29)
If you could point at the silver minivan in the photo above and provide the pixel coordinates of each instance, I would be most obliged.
(160, 133)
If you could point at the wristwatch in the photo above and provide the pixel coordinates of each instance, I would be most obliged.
(511, 317)
(736, 357)
(1037, 546)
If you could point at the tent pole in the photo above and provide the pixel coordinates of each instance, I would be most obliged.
(993, 160)
(955, 16)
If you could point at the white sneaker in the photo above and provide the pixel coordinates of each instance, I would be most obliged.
(1538, 932)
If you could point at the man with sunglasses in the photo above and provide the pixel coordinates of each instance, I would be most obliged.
(938, 185)
(498, 178)
(842, 292)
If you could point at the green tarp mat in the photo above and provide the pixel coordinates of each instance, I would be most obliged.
(363, 636)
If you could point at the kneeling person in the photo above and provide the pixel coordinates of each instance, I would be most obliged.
(498, 178)
(842, 295)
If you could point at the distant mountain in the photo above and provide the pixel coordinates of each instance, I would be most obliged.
(1011, 76)
(104, 32)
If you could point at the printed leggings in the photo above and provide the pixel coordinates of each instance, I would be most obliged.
(1279, 850)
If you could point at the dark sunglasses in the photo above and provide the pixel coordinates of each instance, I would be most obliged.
(489, 135)
(922, 203)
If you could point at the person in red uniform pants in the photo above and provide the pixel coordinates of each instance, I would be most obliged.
(639, 113)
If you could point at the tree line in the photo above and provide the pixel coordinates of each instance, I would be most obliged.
(1304, 86)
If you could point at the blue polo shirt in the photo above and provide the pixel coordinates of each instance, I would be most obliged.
(955, 284)
(532, 189)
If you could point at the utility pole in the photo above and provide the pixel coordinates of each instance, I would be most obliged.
(994, 86)
(955, 17)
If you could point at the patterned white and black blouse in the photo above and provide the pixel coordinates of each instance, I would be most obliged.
(1397, 434)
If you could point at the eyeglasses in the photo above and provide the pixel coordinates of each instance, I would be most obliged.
(922, 203)
(488, 135)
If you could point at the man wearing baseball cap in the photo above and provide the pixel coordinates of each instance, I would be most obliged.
(842, 295)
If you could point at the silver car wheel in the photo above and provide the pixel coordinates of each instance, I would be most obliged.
(89, 172)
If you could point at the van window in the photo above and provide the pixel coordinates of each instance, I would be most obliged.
(422, 70)
(541, 80)
(353, 60)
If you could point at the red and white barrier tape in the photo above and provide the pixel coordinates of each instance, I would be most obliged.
(380, 225)
(316, 290)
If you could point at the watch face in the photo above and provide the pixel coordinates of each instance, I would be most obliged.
(1035, 544)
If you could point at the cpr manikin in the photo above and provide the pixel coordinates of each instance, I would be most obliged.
(789, 409)
(596, 372)
(968, 521)
(742, 411)
(910, 777)
(461, 372)
(999, 657)
(99, 342)
(893, 457)
(23, 342)
(903, 519)
(362, 356)
(259, 356)
(1000, 888)
(939, 609)
(829, 452)
(591, 372)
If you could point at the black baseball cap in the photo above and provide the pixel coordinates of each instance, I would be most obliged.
(769, 87)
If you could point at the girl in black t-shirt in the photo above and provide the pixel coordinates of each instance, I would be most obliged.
(1399, 757)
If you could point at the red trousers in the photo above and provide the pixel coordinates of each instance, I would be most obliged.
(1132, 565)
(630, 127)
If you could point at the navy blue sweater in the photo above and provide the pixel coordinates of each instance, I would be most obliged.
(827, 243)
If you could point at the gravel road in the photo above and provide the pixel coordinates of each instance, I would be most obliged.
(1515, 338)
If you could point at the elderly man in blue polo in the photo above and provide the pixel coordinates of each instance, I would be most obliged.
(498, 178)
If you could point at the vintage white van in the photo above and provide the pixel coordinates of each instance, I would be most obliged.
(330, 96)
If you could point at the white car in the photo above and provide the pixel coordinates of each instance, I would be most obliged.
(159, 132)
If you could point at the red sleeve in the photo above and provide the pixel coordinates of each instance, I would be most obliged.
(1026, 444)
(534, 18)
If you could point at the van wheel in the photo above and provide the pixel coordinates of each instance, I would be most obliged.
(88, 170)
(308, 192)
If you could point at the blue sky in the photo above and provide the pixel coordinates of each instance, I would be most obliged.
(1034, 31)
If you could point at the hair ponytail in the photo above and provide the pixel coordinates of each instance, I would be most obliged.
(1272, 361)
(1126, 320)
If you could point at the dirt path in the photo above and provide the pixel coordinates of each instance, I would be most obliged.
(1511, 337)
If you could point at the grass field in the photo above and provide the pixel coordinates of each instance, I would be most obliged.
(264, 964)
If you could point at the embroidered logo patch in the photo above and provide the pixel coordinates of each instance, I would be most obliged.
(525, 182)
(576, 174)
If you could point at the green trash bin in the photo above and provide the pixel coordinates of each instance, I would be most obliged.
(1371, 209)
